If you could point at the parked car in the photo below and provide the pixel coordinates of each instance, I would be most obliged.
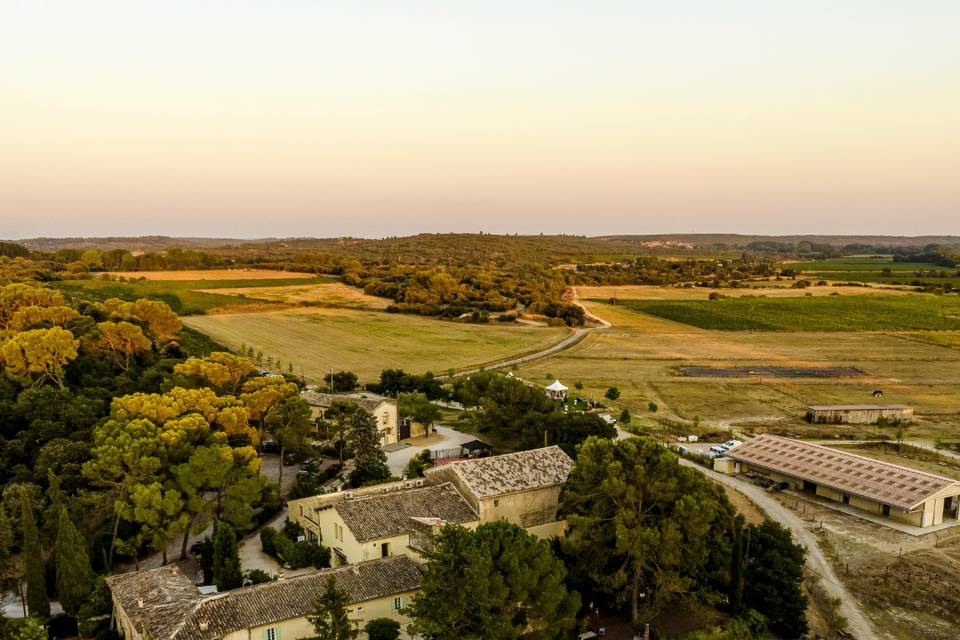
(196, 548)
(729, 444)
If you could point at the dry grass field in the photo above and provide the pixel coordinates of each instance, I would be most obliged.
(641, 355)
(316, 340)
(333, 294)
(213, 274)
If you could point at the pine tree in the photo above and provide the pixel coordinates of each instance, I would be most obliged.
(227, 573)
(37, 603)
(330, 618)
(74, 574)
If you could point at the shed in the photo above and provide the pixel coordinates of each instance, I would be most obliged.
(859, 414)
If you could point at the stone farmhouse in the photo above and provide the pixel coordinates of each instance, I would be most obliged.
(379, 521)
(859, 414)
(384, 411)
(164, 604)
(400, 518)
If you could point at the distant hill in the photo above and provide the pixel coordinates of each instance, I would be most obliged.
(549, 247)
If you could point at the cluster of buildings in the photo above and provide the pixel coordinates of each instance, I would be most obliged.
(377, 535)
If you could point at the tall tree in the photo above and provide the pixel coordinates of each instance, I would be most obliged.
(638, 521)
(337, 418)
(330, 618)
(160, 513)
(369, 459)
(40, 351)
(736, 568)
(227, 573)
(774, 579)
(8, 565)
(38, 604)
(124, 454)
(417, 407)
(75, 577)
(497, 582)
(289, 422)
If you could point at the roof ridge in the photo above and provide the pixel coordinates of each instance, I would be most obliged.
(876, 461)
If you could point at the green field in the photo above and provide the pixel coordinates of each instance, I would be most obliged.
(880, 269)
(184, 296)
(366, 342)
(828, 313)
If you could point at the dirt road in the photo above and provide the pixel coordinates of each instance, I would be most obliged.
(858, 624)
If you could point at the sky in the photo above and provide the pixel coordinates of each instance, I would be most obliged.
(329, 118)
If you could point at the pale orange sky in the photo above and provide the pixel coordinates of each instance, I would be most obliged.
(245, 119)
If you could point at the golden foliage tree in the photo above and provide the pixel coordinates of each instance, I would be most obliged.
(220, 369)
(39, 317)
(40, 351)
(123, 340)
(14, 297)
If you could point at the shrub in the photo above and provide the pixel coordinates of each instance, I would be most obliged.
(258, 576)
(268, 542)
(625, 416)
(652, 407)
(382, 629)
(612, 393)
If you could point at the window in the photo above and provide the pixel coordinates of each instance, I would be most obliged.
(496, 502)
(385, 550)
(271, 634)
(397, 604)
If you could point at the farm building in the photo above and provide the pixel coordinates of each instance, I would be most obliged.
(165, 604)
(859, 414)
(900, 493)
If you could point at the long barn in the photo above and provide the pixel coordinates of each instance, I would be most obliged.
(859, 413)
(881, 488)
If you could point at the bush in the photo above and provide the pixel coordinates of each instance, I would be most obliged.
(612, 393)
(625, 416)
(652, 407)
(268, 536)
(506, 317)
(258, 576)
(382, 629)
(283, 546)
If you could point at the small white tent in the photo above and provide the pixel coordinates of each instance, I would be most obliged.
(557, 390)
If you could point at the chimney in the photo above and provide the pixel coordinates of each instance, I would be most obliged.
(140, 603)
(204, 625)
(279, 575)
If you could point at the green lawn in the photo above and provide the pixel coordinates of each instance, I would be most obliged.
(183, 296)
(828, 313)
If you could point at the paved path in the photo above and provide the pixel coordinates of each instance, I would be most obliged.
(858, 624)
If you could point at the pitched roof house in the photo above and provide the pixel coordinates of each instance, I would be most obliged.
(378, 521)
(164, 604)
(384, 410)
(522, 487)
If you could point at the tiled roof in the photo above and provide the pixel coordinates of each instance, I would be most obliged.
(891, 484)
(386, 515)
(197, 617)
(367, 402)
(512, 472)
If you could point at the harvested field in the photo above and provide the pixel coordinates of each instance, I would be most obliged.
(366, 342)
(332, 294)
(771, 372)
(213, 274)
(186, 297)
(642, 355)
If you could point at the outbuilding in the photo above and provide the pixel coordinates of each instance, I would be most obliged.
(557, 390)
(906, 495)
(859, 414)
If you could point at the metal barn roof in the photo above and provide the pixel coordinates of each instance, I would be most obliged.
(858, 407)
(884, 482)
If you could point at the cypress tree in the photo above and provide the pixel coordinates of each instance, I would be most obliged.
(226, 558)
(37, 603)
(736, 568)
(74, 574)
(6, 552)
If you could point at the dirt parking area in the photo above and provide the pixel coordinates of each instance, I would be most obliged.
(908, 585)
